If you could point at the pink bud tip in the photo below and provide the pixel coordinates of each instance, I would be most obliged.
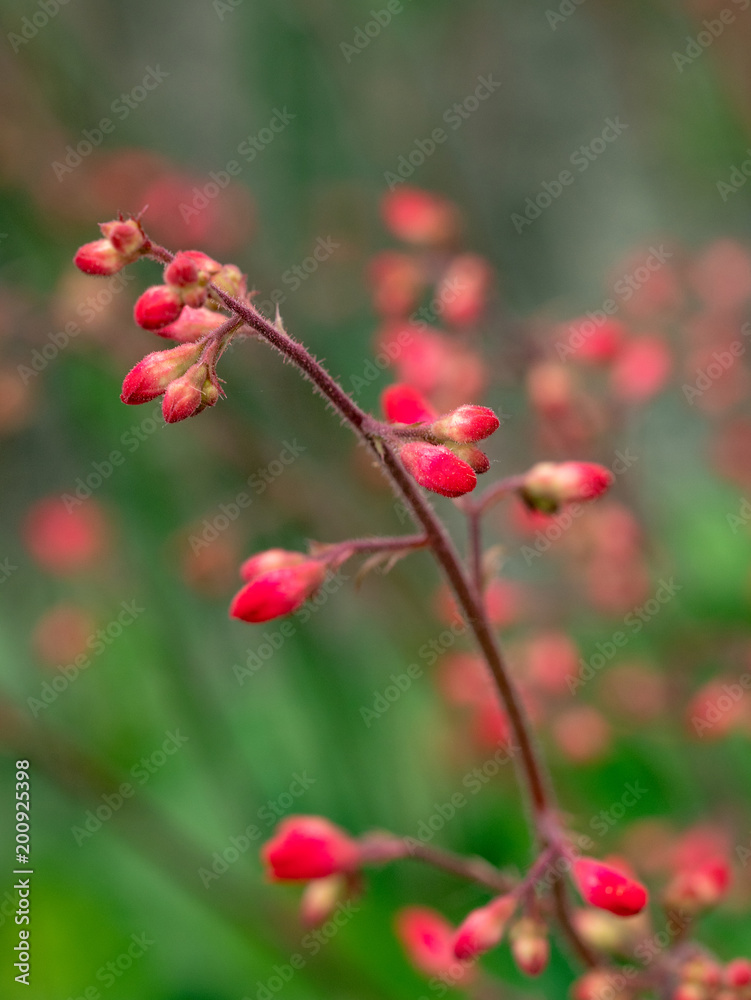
(151, 376)
(99, 257)
(275, 592)
(483, 928)
(467, 424)
(548, 485)
(404, 405)
(126, 236)
(427, 938)
(309, 847)
(158, 306)
(438, 469)
(609, 889)
(192, 324)
(268, 561)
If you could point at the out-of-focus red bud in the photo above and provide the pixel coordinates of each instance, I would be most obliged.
(63, 538)
(608, 933)
(738, 973)
(438, 469)
(428, 939)
(609, 889)
(309, 847)
(483, 928)
(549, 485)
(274, 592)
(192, 324)
(99, 257)
(158, 306)
(151, 376)
(585, 340)
(467, 424)
(599, 983)
(182, 271)
(402, 404)
(462, 292)
(699, 888)
(126, 236)
(530, 946)
(641, 369)
(271, 559)
(397, 280)
(321, 897)
(418, 216)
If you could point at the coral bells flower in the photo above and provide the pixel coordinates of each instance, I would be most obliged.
(278, 583)
(153, 374)
(123, 242)
(438, 469)
(191, 393)
(549, 485)
(609, 889)
(65, 537)
(699, 887)
(309, 847)
(402, 404)
(418, 216)
(483, 929)
(530, 946)
(158, 306)
(428, 938)
(467, 424)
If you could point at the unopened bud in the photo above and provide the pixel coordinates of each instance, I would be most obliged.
(158, 306)
(549, 485)
(483, 928)
(530, 946)
(126, 236)
(438, 469)
(192, 324)
(475, 458)
(189, 394)
(320, 899)
(403, 404)
(231, 280)
(99, 257)
(151, 376)
(467, 424)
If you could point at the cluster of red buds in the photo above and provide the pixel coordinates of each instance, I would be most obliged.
(124, 241)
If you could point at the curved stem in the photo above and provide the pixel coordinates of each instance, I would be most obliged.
(530, 768)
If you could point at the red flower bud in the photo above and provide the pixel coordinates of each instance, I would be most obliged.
(609, 889)
(279, 590)
(427, 938)
(126, 236)
(699, 887)
(268, 561)
(192, 324)
(202, 261)
(738, 973)
(483, 929)
(404, 405)
(158, 306)
(463, 290)
(467, 424)
(418, 216)
(309, 847)
(600, 983)
(438, 469)
(530, 946)
(153, 374)
(99, 257)
(474, 458)
(182, 271)
(185, 396)
(548, 485)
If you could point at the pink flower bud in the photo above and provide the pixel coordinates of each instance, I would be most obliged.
(158, 306)
(530, 946)
(397, 280)
(184, 397)
(474, 458)
(274, 592)
(202, 261)
(268, 561)
(699, 887)
(427, 938)
(126, 236)
(738, 973)
(609, 889)
(192, 324)
(309, 847)
(99, 257)
(64, 539)
(463, 290)
(548, 485)
(182, 271)
(418, 216)
(467, 424)
(483, 929)
(404, 405)
(438, 469)
(641, 369)
(151, 376)
(600, 983)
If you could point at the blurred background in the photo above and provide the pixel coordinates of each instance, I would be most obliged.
(601, 324)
